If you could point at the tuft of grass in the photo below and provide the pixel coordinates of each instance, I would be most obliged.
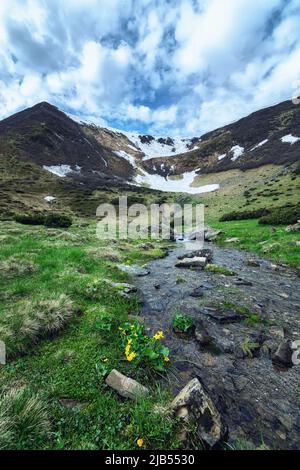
(24, 420)
(30, 321)
(216, 269)
(14, 266)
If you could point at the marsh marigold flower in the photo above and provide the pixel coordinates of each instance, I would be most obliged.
(159, 335)
(140, 442)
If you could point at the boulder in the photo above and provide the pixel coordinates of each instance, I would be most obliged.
(210, 234)
(203, 253)
(194, 406)
(283, 354)
(133, 270)
(196, 262)
(197, 292)
(125, 386)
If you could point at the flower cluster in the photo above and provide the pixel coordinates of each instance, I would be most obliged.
(144, 349)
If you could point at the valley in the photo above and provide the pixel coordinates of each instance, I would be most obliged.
(74, 308)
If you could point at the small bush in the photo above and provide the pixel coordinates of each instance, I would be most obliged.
(243, 215)
(57, 220)
(30, 219)
(282, 216)
(182, 323)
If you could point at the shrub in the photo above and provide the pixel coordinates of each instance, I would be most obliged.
(30, 219)
(182, 323)
(282, 216)
(23, 419)
(57, 220)
(243, 215)
(142, 349)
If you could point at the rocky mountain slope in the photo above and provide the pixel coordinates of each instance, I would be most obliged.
(94, 156)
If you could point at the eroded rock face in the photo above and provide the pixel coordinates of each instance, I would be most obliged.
(196, 262)
(193, 405)
(125, 386)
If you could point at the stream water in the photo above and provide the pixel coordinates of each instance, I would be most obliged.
(257, 400)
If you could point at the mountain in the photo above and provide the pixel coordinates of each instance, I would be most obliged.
(95, 157)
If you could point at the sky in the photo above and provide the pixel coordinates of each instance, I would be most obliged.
(162, 67)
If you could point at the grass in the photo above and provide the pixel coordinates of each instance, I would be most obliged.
(274, 243)
(216, 269)
(62, 339)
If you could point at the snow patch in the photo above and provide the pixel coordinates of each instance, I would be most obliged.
(289, 139)
(49, 198)
(263, 142)
(220, 157)
(58, 170)
(61, 170)
(182, 185)
(126, 156)
(154, 148)
(237, 152)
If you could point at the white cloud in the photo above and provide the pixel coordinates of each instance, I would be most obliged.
(182, 67)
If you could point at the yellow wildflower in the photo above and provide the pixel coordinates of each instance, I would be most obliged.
(159, 335)
(104, 359)
(131, 356)
(140, 442)
(166, 359)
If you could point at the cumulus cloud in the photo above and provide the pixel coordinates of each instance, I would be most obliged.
(178, 67)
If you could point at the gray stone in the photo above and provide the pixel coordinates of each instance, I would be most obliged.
(133, 270)
(196, 262)
(197, 292)
(283, 354)
(196, 407)
(204, 253)
(253, 263)
(125, 386)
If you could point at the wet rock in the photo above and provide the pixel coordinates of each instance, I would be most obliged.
(242, 282)
(124, 289)
(253, 263)
(222, 316)
(133, 270)
(203, 253)
(195, 406)
(125, 386)
(283, 354)
(197, 292)
(196, 262)
(232, 240)
(201, 334)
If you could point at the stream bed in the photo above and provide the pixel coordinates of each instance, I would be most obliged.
(232, 353)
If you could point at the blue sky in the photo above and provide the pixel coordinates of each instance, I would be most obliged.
(172, 67)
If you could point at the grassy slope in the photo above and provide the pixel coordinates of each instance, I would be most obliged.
(267, 186)
(70, 365)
